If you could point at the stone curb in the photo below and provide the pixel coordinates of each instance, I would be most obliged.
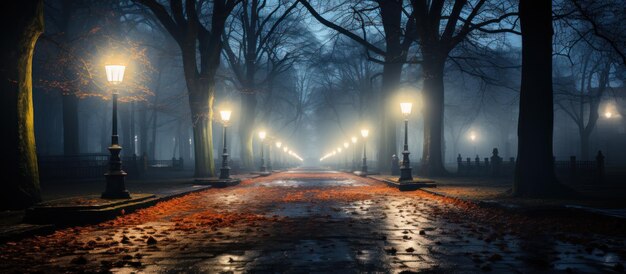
(527, 209)
(23, 230)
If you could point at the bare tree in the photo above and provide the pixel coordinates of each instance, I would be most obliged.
(440, 27)
(256, 51)
(197, 27)
(398, 31)
(534, 170)
(591, 73)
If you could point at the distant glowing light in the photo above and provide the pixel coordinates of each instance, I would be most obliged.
(354, 139)
(472, 136)
(262, 134)
(365, 133)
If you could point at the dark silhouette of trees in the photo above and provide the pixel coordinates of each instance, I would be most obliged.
(440, 27)
(534, 171)
(197, 27)
(255, 37)
(398, 35)
(21, 31)
(579, 95)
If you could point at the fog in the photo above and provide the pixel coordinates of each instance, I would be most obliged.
(310, 86)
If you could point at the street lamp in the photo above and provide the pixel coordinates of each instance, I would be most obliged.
(346, 145)
(405, 169)
(354, 153)
(278, 155)
(473, 139)
(285, 149)
(262, 135)
(225, 170)
(364, 134)
(115, 187)
(608, 114)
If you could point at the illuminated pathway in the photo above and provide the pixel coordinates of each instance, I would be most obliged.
(304, 221)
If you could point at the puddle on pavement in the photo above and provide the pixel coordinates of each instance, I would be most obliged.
(302, 210)
(312, 183)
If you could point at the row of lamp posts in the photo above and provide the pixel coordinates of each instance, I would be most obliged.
(115, 176)
(405, 168)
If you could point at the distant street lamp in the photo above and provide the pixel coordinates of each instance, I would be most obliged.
(225, 170)
(354, 154)
(346, 145)
(473, 139)
(285, 149)
(364, 134)
(338, 160)
(405, 169)
(115, 187)
(278, 155)
(608, 114)
(262, 135)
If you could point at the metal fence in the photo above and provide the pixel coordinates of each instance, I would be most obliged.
(494, 166)
(87, 166)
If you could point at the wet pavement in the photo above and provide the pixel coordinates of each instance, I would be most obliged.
(319, 221)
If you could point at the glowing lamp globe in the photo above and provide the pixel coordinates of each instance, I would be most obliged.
(279, 144)
(115, 73)
(346, 144)
(473, 136)
(365, 133)
(608, 114)
(406, 108)
(225, 115)
(354, 139)
(262, 135)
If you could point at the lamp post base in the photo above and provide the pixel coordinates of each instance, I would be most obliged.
(115, 188)
(224, 173)
(405, 174)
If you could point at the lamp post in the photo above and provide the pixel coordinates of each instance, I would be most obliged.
(354, 154)
(473, 139)
(115, 187)
(262, 135)
(269, 155)
(225, 170)
(285, 149)
(339, 158)
(364, 134)
(345, 146)
(405, 169)
(278, 155)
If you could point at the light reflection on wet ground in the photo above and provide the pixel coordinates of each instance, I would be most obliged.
(386, 232)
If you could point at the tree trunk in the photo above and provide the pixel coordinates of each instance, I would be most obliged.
(534, 171)
(126, 140)
(152, 149)
(584, 145)
(201, 105)
(70, 124)
(21, 31)
(391, 13)
(392, 73)
(432, 108)
(143, 129)
(246, 129)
